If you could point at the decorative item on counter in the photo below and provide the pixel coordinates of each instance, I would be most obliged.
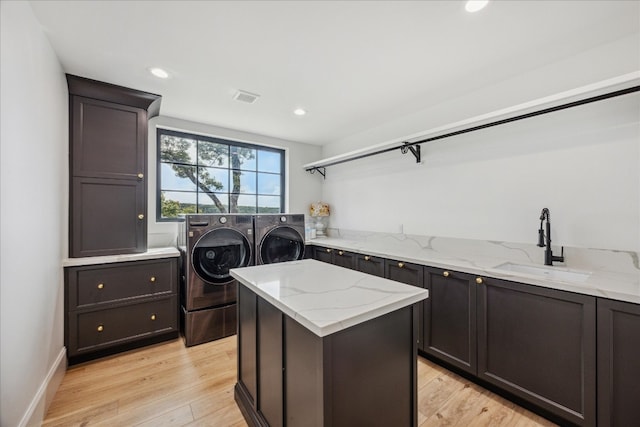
(320, 211)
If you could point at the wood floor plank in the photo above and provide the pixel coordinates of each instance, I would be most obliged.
(85, 416)
(171, 385)
(174, 418)
(435, 393)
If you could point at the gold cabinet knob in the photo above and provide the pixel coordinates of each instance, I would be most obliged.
(367, 257)
(152, 279)
(153, 317)
(100, 285)
(140, 216)
(328, 250)
(100, 328)
(445, 274)
(400, 264)
(340, 253)
(479, 280)
(140, 176)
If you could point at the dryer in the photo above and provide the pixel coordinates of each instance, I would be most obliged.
(211, 245)
(279, 238)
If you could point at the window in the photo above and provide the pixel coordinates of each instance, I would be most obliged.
(199, 174)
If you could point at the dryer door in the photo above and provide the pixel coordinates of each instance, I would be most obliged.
(281, 244)
(218, 251)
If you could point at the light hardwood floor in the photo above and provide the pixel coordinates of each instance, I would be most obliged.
(171, 385)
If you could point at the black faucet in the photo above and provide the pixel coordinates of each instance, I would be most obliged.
(544, 240)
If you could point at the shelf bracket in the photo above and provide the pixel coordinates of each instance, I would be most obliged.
(321, 171)
(415, 150)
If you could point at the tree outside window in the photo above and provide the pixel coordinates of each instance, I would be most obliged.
(198, 174)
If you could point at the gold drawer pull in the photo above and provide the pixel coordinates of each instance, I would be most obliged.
(445, 274)
(328, 250)
(340, 253)
(153, 278)
(100, 285)
(153, 317)
(367, 257)
(100, 328)
(400, 264)
(140, 176)
(140, 216)
(479, 280)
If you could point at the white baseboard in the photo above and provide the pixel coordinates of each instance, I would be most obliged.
(40, 403)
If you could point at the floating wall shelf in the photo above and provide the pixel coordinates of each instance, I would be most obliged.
(599, 91)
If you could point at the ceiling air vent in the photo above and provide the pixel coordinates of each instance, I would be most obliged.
(244, 96)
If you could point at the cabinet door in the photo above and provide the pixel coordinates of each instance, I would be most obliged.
(410, 274)
(370, 265)
(248, 342)
(618, 363)
(108, 139)
(323, 254)
(270, 363)
(450, 318)
(344, 259)
(108, 217)
(539, 344)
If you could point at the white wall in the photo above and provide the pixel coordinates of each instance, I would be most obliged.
(34, 141)
(600, 63)
(301, 188)
(582, 163)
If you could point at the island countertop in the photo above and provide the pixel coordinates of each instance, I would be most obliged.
(326, 298)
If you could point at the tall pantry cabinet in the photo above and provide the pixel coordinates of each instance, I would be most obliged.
(108, 134)
(113, 303)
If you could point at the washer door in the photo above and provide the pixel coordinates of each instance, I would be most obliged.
(281, 244)
(219, 250)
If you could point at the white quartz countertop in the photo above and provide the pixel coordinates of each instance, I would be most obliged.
(326, 298)
(152, 253)
(605, 273)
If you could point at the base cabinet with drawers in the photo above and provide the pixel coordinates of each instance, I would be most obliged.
(571, 357)
(112, 307)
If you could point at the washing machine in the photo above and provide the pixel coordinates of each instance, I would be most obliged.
(211, 245)
(279, 238)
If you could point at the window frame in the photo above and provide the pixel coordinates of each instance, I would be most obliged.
(229, 142)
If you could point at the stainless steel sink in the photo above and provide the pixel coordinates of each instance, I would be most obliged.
(553, 273)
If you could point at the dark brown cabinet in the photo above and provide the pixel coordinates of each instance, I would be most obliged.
(108, 168)
(370, 264)
(450, 318)
(344, 259)
(323, 254)
(539, 344)
(287, 375)
(618, 363)
(410, 274)
(108, 306)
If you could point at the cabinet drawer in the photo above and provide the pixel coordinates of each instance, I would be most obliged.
(370, 265)
(323, 254)
(95, 285)
(103, 328)
(344, 259)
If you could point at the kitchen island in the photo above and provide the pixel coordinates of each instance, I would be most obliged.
(321, 345)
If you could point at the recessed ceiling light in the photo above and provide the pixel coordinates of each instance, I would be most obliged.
(299, 112)
(159, 72)
(475, 5)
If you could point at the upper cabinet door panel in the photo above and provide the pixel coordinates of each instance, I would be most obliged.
(109, 139)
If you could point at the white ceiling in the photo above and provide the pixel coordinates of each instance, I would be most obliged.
(352, 65)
